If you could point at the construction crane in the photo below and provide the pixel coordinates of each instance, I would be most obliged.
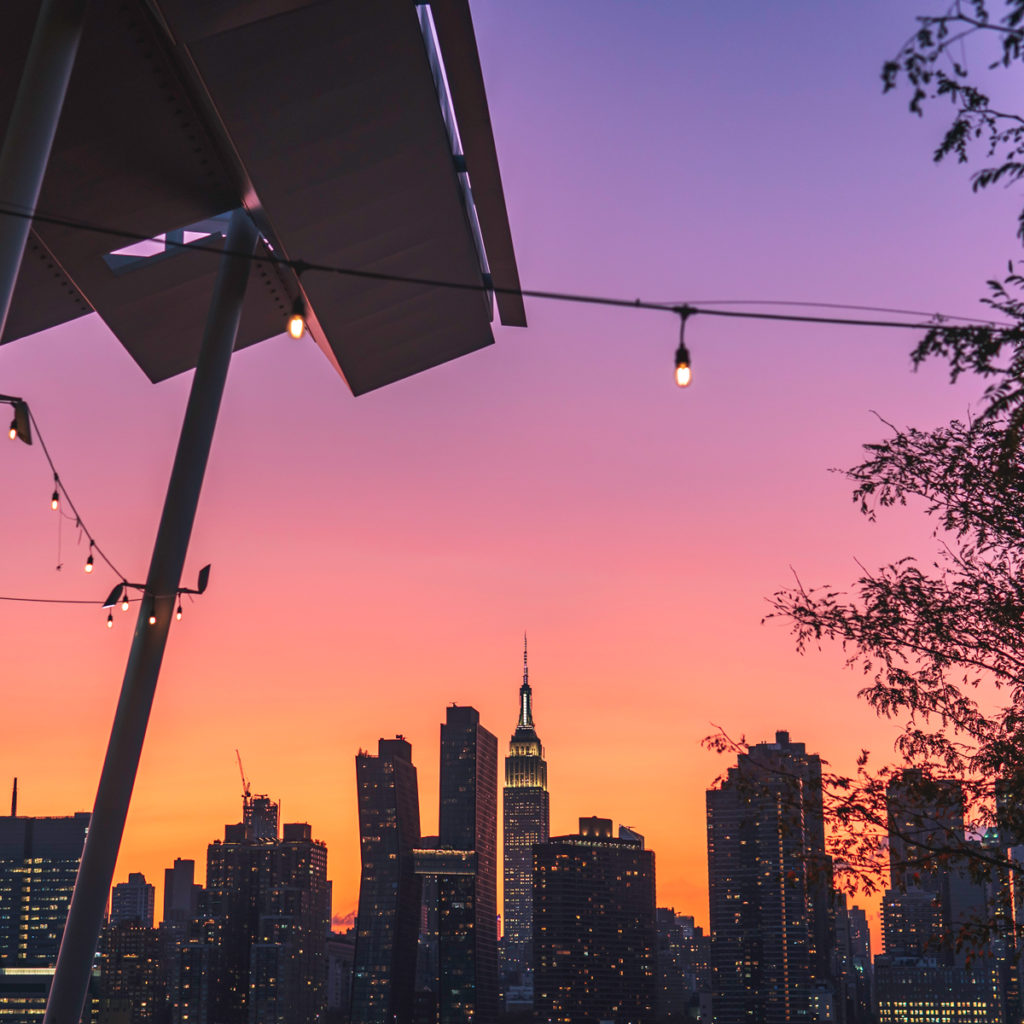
(246, 798)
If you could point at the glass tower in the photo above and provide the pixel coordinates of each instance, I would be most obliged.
(389, 890)
(468, 878)
(38, 864)
(526, 820)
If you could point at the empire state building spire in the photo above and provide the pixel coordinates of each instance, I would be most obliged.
(525, 695)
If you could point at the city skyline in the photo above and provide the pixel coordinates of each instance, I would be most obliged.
(374, 560)
(266, 824)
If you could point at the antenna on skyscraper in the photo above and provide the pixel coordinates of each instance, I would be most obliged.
(526, 671)
(14, 798)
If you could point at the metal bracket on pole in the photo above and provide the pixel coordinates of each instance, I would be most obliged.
(31, 129)
(96, 871)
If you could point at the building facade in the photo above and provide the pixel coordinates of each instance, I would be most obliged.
(267, 910)
(526, 821)
(943, 959)
(384, 971)
(134, 900)
(38, 866)
(467, 886)
(770, 888)
(131, 986)
(594, 928)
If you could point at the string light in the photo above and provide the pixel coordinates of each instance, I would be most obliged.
(297, 321)
(119, 595)
(23, 425)
(20, 425)
(23, 421)
(684, 372)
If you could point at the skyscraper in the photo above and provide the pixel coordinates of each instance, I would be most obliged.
(181, 894)
(467, 900)
(38, 865)
(526, 814)
(594, 927)
(933, 905)
(383, 983)
(133, 900)
(770, 887)
(131, 989)
(268, 913)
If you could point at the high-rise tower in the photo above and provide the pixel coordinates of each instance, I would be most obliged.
(526, 821)
(468, 880)
(770, 886)
(38, 864)
(389, 889)
(594, 926)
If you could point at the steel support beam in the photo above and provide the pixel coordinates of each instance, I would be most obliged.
(31, 129)
(96, 871)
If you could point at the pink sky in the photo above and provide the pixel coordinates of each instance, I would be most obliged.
(374, 560)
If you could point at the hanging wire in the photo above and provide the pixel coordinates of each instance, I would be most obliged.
(61, 492)
(842, 305)
(58, 484)
(300, 266)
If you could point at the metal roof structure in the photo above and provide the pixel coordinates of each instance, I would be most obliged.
(245, 143)
(355, 135)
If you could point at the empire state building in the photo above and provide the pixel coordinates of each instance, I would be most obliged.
(526, 821)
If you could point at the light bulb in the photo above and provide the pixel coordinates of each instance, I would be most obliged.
(124, 602)
(55, 501)
(177, 614)
(89, 564)
(13, 432)
(684, 374)
(297, 321)
(110, 620)
(152, 619)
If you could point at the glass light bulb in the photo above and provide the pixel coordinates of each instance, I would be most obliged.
(89, 564)
(177, 614)
(684, 375)
(296, 325)
(55, 501)
(124, 603)
(152, 619)
(13, 432)
(110, 620)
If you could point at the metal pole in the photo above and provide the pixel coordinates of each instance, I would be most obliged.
(31, 129)
(96, 871)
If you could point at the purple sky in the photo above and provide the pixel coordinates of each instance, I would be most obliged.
(377, 559)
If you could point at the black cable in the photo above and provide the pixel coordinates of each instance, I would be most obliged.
(59, 485)
(302, 266)
(796, 318)
(843, 305)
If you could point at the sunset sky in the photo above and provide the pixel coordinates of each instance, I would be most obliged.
(376, 559)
